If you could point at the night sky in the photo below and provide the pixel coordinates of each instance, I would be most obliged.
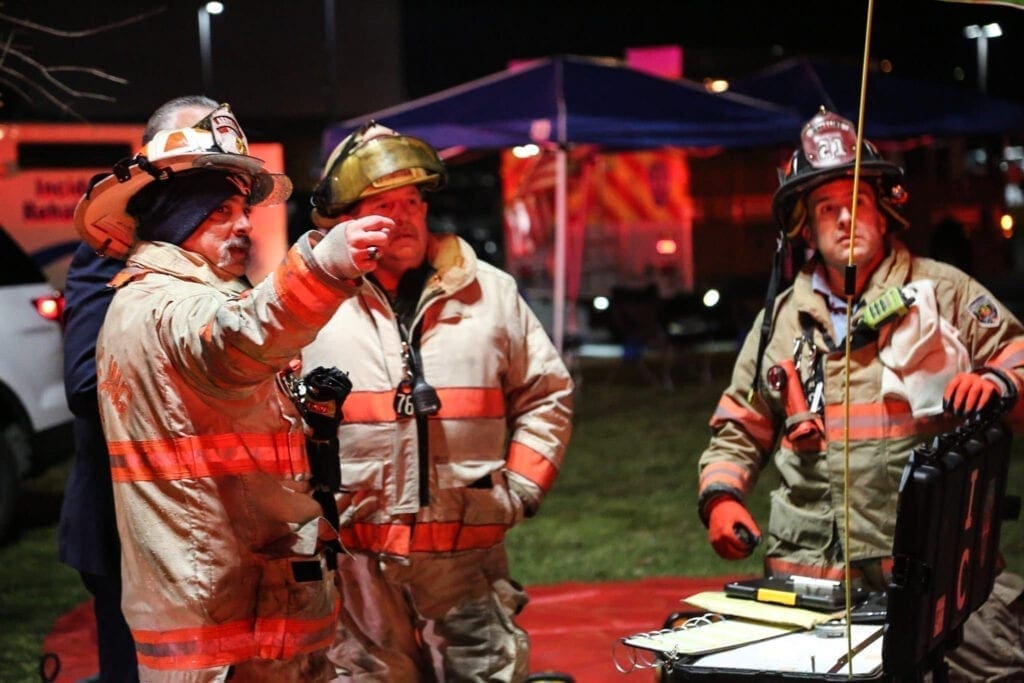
(724, 38)
(272, 63)
(271, 56)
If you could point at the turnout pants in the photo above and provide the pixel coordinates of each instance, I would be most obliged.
(993, 644)
(434, 618)
(311, 668)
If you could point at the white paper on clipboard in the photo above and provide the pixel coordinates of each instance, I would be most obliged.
(802, 652)
(710, 637)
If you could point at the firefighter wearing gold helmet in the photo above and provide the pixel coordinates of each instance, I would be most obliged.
(369, 161)
(457, 424)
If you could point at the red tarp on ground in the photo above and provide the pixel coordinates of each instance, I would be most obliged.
(572, 626)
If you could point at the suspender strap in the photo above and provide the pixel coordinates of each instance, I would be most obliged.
(769, 312)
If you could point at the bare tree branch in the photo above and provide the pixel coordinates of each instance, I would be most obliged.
(42, 75)
(45, 72)
(98, 73)
(44, 92)
(7, 46)
(10, 84)
(42, 28)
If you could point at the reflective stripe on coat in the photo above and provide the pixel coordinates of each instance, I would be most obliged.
(505, 407)
(806, 526)
(220, 535)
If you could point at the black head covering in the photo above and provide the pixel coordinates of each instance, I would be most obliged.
(171, 210)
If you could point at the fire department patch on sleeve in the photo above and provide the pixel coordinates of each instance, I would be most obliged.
(984, 309)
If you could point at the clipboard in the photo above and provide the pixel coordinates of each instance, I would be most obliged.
(703, 636)
(801, 654)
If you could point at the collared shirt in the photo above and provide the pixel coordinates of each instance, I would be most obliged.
(836, 304)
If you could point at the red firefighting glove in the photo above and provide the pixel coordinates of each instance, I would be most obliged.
(731, 529)
(968, 393)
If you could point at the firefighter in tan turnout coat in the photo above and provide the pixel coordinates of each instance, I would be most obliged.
(456, 427)
(221, 539)
(914, 377)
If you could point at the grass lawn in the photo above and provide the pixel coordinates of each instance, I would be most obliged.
(35, 587)
(623, 507)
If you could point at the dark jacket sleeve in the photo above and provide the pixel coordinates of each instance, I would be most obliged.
(87, 298)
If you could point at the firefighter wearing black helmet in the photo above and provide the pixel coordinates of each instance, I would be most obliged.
(943, 347)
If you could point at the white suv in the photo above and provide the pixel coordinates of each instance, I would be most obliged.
(35, 423)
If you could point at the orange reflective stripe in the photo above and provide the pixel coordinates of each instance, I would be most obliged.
(305, 296)
(208, 455)
(196, 648)
(758, 426)
(465, 403)
(1009, 357)
(460, 403)
(392, 539)
(727, 474)
(369, 406)
(423, 537)
(283, 638)
(890, 419)
(532, 465)
(235, 641)
(775, 566)
(441, 537)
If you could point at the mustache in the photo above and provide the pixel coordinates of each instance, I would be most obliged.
(238, 242)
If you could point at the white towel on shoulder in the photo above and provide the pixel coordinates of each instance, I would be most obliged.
(922, 353)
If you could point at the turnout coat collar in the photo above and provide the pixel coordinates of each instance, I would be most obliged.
(893, 270)
(170, 259)
(454, 264)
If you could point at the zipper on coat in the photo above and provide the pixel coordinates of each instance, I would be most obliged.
(421, 396)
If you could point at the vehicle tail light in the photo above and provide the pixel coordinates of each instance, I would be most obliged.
(51, 307)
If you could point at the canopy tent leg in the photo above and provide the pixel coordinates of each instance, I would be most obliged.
(561, 224)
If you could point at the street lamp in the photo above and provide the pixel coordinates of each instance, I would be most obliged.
(205, 53)
(982, 34)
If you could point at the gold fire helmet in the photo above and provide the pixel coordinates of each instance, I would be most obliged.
(369, 161)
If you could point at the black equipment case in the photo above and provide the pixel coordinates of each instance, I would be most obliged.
(944, 557)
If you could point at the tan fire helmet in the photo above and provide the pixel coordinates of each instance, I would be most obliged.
(214, 143)
(827, 151)
(369, 161)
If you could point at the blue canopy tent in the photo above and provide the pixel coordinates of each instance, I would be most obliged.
(562, 101)
(896, 107)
